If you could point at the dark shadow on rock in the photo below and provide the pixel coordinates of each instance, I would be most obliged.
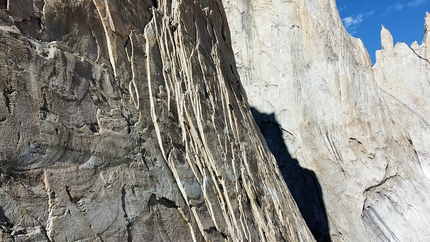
(4, 221)
(302, 183)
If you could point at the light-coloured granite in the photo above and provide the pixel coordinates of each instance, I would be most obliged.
(352, 141)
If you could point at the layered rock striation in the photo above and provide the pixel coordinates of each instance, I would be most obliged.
(127, 121)
(351, 140)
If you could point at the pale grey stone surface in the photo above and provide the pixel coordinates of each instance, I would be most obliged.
(360, 133)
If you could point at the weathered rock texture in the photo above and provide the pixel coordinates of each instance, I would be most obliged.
(126, 121)
(355, 142)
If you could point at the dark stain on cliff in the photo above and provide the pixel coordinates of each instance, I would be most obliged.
(302, 183)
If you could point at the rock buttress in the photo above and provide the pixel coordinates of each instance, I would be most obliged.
(127, 121)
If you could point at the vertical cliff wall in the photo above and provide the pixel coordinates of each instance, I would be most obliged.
(126, 121)
(352, 141)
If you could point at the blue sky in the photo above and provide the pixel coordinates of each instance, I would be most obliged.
(404, 19)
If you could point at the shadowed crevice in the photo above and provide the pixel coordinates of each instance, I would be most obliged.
(5, 224)
(302, 183)
(3, 4)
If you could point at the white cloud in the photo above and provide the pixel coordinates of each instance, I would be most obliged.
(416, 3)
(394, 8)
(343, 8)
(351, 23)
(398, 6)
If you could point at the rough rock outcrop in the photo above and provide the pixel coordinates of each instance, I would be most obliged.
(352, 145)
(403, 74)
(126, 121)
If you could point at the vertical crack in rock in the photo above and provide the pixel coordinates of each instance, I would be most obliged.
(126, 217)
(155, 3)
(44, 231)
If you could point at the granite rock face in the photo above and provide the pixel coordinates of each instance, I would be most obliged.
(127, 121)
(351, 140)
(403, 74)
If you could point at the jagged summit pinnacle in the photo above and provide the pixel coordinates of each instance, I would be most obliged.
(387, 42)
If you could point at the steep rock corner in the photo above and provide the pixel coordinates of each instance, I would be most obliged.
(123, 120)
(352, 136)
